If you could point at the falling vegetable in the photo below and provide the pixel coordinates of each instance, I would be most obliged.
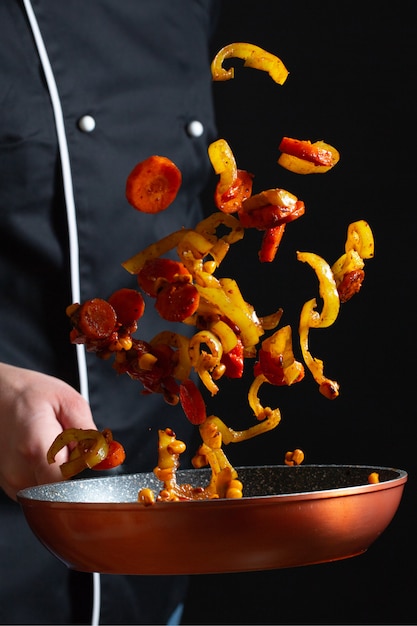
(153, 184)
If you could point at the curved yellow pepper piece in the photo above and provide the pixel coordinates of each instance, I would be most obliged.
(279, 345)
(175, 340)
(209, 225)
(359, 245)
(155, 250)
(310, 318)
(268, 422)
(223, 163)
(327, 290)
(227, 301)
(92, 448)
(220, 245)
(205, 362)
(226, 335)
(254, 57)
(360, 239)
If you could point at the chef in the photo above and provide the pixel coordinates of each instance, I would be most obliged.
(87, 90)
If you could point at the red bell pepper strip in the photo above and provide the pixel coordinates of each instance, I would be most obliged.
(270, 243)
(306, 150)
(192, 402)
(234, 361)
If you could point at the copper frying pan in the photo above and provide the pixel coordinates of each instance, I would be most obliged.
(289, 516)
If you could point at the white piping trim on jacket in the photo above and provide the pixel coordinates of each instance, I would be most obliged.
(67, 182)
(72, 229)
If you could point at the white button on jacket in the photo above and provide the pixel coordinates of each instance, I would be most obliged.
(87, 123)
(195, 128)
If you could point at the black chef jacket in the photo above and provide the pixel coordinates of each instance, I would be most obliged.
(140, 70)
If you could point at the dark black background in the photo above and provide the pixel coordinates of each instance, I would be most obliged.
(352, 72)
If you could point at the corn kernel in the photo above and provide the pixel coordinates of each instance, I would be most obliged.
(373, 478)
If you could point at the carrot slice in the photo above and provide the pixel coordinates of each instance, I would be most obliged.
(176, 301)
(149, 277)
(153, 184)
(128, 304)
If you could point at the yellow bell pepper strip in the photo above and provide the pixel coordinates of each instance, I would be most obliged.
(269, 322)
(182, 367)
(348, 269)
(91, 449)
(360, 238)
(346, 264)
(204, 242)
(208, 227)
(268, 420)
(254, 57)
(310, 318)
(192, 250)
(327, 290)
(276, 359)
(249, 329)
(203, 362)
(196, 244)
(226, 334)
(154, 250)
(234, 185)
(223, 162)
(304, 157)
